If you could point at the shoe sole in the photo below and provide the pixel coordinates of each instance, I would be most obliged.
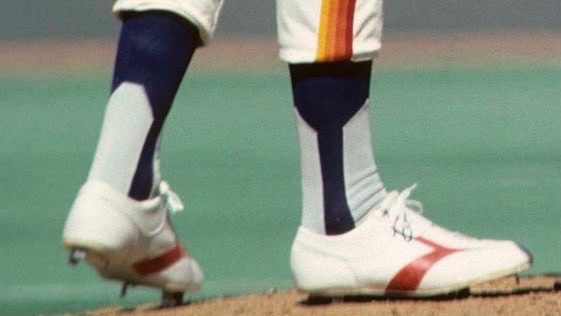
(113, 265)
(451, 290)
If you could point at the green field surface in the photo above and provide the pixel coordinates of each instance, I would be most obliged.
(483, 144)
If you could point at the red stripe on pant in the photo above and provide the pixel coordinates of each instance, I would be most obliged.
(163, 261)
(410, 276)
(348, 47)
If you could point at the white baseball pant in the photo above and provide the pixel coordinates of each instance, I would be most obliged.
(308, 30)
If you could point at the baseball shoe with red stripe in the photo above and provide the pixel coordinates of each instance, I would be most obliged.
(396, 252)
(131, 241)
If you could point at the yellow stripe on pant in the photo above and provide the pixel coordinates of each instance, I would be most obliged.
(336, 30)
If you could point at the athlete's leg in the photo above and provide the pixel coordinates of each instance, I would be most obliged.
(157, 41)
(330, 81)
(153, 53)
(119, 221)
(339, 176)
(355, 237)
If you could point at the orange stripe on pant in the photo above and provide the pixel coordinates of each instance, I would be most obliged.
(336, 30)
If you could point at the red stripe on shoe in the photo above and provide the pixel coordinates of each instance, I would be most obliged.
(163, 261)
(410, 276)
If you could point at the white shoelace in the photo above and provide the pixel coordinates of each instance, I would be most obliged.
(172, 200)
(398, 209)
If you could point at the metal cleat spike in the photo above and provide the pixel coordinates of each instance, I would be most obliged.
(77, 255)
(171, 299)
(124, 289)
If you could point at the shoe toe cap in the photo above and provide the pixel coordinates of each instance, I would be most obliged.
(465, 267)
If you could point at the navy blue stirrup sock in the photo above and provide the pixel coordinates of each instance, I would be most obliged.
(327, 96)
(154, 51)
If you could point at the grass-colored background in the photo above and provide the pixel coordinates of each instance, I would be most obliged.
(483, 142)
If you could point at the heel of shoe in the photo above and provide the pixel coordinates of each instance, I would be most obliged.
(94, 223)
(316, 272)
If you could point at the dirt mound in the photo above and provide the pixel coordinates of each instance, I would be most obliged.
(509, 296)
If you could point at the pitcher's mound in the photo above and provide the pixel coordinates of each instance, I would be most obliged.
(528, 296)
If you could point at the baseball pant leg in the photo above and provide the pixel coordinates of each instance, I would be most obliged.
(328, 30)
(201, 13)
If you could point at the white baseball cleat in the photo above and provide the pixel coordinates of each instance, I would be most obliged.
(131, 241)
(396, 252)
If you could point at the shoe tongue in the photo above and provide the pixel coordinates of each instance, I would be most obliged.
(407, 213)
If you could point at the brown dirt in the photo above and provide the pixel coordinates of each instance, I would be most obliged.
(530, 296)
(399, 51)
